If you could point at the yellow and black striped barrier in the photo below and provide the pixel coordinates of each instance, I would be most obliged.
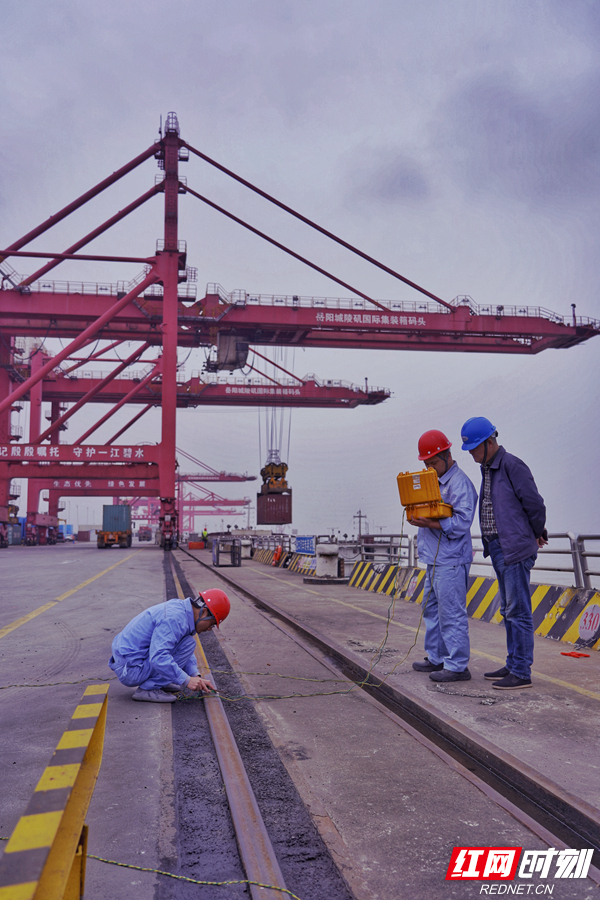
(295, 562)
(303, 565)
(45, 855)
(571, 615)
(264, 556)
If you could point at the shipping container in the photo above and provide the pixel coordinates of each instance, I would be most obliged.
(116, 518)
(274, 509)
(14, 534)
(83, 536)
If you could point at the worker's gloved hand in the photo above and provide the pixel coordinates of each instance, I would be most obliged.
(200, 684)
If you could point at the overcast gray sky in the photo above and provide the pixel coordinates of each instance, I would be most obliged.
(458, 142)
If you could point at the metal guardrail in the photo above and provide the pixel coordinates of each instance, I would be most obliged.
(46, 853)
(401, 549)
(576, 550)
(242, 298)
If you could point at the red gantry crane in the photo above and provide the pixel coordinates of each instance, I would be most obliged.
(159, 310)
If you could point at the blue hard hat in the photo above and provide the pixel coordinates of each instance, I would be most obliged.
(475, 431)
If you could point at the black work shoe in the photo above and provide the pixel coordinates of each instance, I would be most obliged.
(511, 683)
(427, 666)
(449, 675)
(499, 673)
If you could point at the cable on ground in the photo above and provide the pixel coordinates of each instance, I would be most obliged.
(5, 687)
(271, 887)
(354, 685)
(113, 862)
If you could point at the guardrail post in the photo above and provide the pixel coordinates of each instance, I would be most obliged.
(411, 551)
(577, 562)
(45, 855)
(587, 578)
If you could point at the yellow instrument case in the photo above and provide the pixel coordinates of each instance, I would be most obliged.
(420, 494)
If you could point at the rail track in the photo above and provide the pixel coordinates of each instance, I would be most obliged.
(258, 859)
(557, 817)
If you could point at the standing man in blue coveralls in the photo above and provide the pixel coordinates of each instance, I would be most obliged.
(155, 651)
(513, 528)
(445, 546)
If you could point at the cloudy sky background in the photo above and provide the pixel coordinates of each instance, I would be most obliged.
(458, 142)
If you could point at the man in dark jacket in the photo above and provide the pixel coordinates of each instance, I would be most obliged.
(513, 519)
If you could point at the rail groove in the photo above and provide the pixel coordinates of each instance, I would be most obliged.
(255, 847)
(569, 819)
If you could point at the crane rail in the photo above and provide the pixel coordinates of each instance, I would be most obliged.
(255, 847)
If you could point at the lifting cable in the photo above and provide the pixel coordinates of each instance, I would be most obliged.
(285, 249)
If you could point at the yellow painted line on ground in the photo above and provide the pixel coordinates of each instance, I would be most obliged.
(41, 609)
(480, 653)
(17, 624)
(178, 587)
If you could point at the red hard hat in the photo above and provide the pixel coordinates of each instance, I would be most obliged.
(217, 603)
(431, 443)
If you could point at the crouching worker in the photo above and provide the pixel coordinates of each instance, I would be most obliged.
(155, 651)
(444, 545)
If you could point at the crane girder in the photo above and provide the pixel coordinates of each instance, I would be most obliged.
(199, 391)
(312, 322)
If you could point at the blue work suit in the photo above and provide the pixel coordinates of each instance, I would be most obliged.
(157, 647)
(448, 555)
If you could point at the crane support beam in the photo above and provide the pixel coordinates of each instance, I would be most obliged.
(79, 341)
(93, 234)
(197, 392)
(93, 192)
(133, 391)
(307, 322)
(90, 394)
(104, 487)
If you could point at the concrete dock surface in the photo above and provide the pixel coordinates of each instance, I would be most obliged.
(389, 811)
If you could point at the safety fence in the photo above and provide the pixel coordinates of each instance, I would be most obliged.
(567, 554)
(571, 614)
(46, 853)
